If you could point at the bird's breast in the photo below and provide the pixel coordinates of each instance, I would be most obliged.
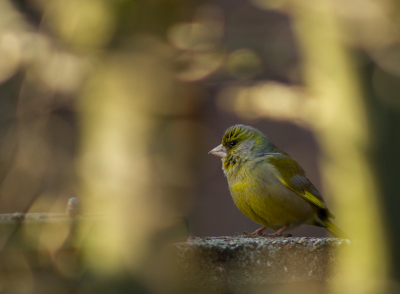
(260, 195)
(246, 194)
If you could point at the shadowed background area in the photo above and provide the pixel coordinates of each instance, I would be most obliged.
(118, 103)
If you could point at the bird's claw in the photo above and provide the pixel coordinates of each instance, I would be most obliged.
(276, 235)
(250, 234)
(259, 233)
(255, 234)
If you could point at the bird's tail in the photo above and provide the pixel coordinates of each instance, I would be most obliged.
(334, 230)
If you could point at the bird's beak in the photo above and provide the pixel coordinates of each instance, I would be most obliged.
(219, 151)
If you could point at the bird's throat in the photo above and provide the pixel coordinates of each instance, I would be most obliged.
(232, 163)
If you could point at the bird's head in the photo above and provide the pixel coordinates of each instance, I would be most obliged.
(242, 141)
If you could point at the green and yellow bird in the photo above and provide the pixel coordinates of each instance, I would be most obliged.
(269, 186)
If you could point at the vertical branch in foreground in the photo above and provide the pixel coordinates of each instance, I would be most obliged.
(126, 122)
(114, 165)
(343, 133)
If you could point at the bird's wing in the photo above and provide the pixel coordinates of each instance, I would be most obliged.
(293, 177)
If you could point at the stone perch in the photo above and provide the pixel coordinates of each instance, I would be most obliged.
(228, 264)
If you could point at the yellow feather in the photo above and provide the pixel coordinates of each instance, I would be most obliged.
(307, 195)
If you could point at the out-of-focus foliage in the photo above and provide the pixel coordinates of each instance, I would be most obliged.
(103, 100)
(96, 109)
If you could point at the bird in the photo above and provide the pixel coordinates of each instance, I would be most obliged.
(268, 185)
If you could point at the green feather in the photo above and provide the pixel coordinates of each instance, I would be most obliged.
(294, 178)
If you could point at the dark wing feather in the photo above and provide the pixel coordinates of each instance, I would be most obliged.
(294, 178)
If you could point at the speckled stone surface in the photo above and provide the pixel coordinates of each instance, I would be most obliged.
(223, 264)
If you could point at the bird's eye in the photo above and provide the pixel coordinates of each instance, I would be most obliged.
(232, 143)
